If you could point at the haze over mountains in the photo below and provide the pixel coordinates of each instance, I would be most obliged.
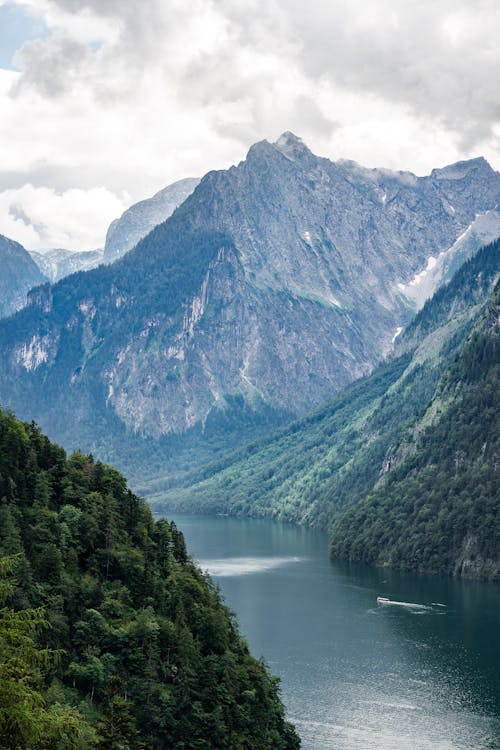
(123, 234)
(275, 284)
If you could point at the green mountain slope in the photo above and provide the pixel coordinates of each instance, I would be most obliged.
(144, 653)
(313, 469)
(439, 509)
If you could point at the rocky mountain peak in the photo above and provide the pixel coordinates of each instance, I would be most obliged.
(292, 146)
(274, 285)
(461, 169)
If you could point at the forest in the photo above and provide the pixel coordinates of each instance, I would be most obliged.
(436, 510)
(110, 635)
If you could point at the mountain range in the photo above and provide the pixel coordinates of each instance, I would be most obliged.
(428, 412)
(274, 285)
(136, 222)
(58, 263)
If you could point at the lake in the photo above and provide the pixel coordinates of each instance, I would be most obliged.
(420, 674)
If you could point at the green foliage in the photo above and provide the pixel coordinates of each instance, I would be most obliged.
(381, 435)
(315, 468)
(147, 654)
(26, 720)
(438, 511)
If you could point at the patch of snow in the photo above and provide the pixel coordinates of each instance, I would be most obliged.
(440, 268)
(333, 301)
(398, 331)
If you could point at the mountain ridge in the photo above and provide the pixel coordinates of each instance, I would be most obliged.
(313, 469)
(19, 274)
(273, 285)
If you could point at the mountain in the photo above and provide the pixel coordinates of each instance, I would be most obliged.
(110, 635)
(138, 220)
(58, 263)
(316, 468)
(274, 285)
(19, 274)
(437, 510)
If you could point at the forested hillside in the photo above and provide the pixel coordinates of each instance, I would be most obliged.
(439, 509)
(309, 472)
(110, 636)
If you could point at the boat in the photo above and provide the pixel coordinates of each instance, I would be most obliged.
(383, 600)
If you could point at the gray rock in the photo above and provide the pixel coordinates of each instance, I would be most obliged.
(276, 283)
(58, 263)
(18, 274)
(138, 220)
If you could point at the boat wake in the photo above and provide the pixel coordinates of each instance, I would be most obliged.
(409, 605)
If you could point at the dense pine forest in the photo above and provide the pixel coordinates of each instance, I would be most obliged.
(437, 508)
(110, 636)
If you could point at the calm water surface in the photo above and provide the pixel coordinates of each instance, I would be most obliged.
(357, 676)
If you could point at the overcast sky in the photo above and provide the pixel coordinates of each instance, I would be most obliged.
(104, 102)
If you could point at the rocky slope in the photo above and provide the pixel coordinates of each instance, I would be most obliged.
(275, 284)
(58, 263)
(310, 471)
(19, 273)
(138, 220)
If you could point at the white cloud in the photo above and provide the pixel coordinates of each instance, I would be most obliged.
(40, 218)
(135, 95)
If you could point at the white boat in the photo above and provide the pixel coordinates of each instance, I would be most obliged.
(383, 600)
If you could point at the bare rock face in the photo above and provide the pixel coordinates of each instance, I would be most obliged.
(138, 220)
(276, 283)
(18, 274)
(58, 263)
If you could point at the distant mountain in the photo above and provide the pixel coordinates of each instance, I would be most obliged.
(273, 286)
(395, 438)
(58, 263)
(138, 220)
(18, 274)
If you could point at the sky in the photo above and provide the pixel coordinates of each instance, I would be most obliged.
(104, 102)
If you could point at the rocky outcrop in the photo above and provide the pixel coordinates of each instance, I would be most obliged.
(19, 273)
(138, 220)
(58, 263)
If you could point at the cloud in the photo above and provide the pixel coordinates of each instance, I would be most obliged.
(40, 218)
(133, 96)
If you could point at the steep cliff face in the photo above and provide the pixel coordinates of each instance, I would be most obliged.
(273, 285)
(58, 263)
(18, 274)
(138, 220)
(315, 468)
